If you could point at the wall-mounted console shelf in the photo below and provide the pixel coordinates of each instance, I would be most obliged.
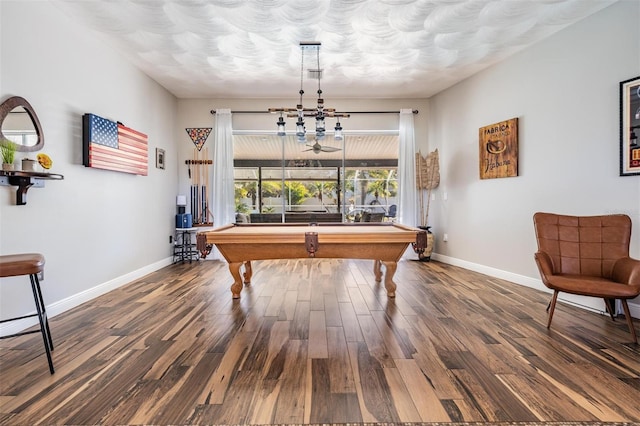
(25, 180)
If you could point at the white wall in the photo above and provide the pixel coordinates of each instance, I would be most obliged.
(564, 91)
(97, 229)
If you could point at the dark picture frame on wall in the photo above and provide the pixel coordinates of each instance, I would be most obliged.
(630, 127)
(160, 158)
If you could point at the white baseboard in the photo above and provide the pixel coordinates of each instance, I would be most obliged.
(63, 305)
(588, 303)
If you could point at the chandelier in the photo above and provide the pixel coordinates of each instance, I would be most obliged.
(320, 113)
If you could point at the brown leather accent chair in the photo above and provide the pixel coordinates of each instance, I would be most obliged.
(589, 256)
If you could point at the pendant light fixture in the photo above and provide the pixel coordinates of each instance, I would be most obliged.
(320, 113)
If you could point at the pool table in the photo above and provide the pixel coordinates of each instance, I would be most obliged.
(240, 243)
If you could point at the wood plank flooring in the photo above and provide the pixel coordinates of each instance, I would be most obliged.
(318, 341)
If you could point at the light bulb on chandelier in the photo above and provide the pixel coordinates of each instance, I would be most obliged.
(337, 135)
(281, 126)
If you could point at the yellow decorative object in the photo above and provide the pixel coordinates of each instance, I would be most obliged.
(45, 161)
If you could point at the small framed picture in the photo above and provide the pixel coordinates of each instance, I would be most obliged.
(630, 127)
(159, 158)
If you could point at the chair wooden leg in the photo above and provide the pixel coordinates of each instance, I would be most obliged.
(627, 314)
(552, 307)
(611, 307)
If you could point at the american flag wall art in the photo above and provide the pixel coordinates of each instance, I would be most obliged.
(110, 145)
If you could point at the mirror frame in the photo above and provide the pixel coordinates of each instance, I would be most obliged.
(7, 106)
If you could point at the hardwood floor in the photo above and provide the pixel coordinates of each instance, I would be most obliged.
(318, 341)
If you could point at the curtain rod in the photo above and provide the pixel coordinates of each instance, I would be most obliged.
(415, 111)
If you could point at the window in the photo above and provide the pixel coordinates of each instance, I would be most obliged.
(370, 190)
(362, 179)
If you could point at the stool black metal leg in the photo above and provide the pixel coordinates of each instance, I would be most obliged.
(44, 311)
(44, 324)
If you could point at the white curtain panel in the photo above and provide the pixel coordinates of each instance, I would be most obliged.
(407, 197)
(223, 188)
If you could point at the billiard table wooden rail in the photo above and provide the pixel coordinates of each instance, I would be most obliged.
(384, 243)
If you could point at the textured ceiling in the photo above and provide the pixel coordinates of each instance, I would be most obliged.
(370, 48)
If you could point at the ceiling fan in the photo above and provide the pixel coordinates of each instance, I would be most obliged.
(317, 148)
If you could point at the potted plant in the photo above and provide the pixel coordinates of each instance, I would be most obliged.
(427, 179)
(8, 150)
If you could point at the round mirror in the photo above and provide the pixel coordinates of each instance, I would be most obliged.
(19, 123)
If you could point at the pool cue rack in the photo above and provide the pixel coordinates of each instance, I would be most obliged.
(198, 170)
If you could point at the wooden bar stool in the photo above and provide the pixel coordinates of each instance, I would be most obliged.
(29, 264)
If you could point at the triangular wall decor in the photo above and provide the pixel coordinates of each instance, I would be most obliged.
(199, 136)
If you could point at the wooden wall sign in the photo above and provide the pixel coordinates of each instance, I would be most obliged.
(499, 150)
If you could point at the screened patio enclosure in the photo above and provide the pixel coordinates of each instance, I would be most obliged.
(278, 178)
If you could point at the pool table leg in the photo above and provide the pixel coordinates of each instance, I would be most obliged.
(390, 268)
(236, 287)
(377, 270)
(248, 272)
(234, 268)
